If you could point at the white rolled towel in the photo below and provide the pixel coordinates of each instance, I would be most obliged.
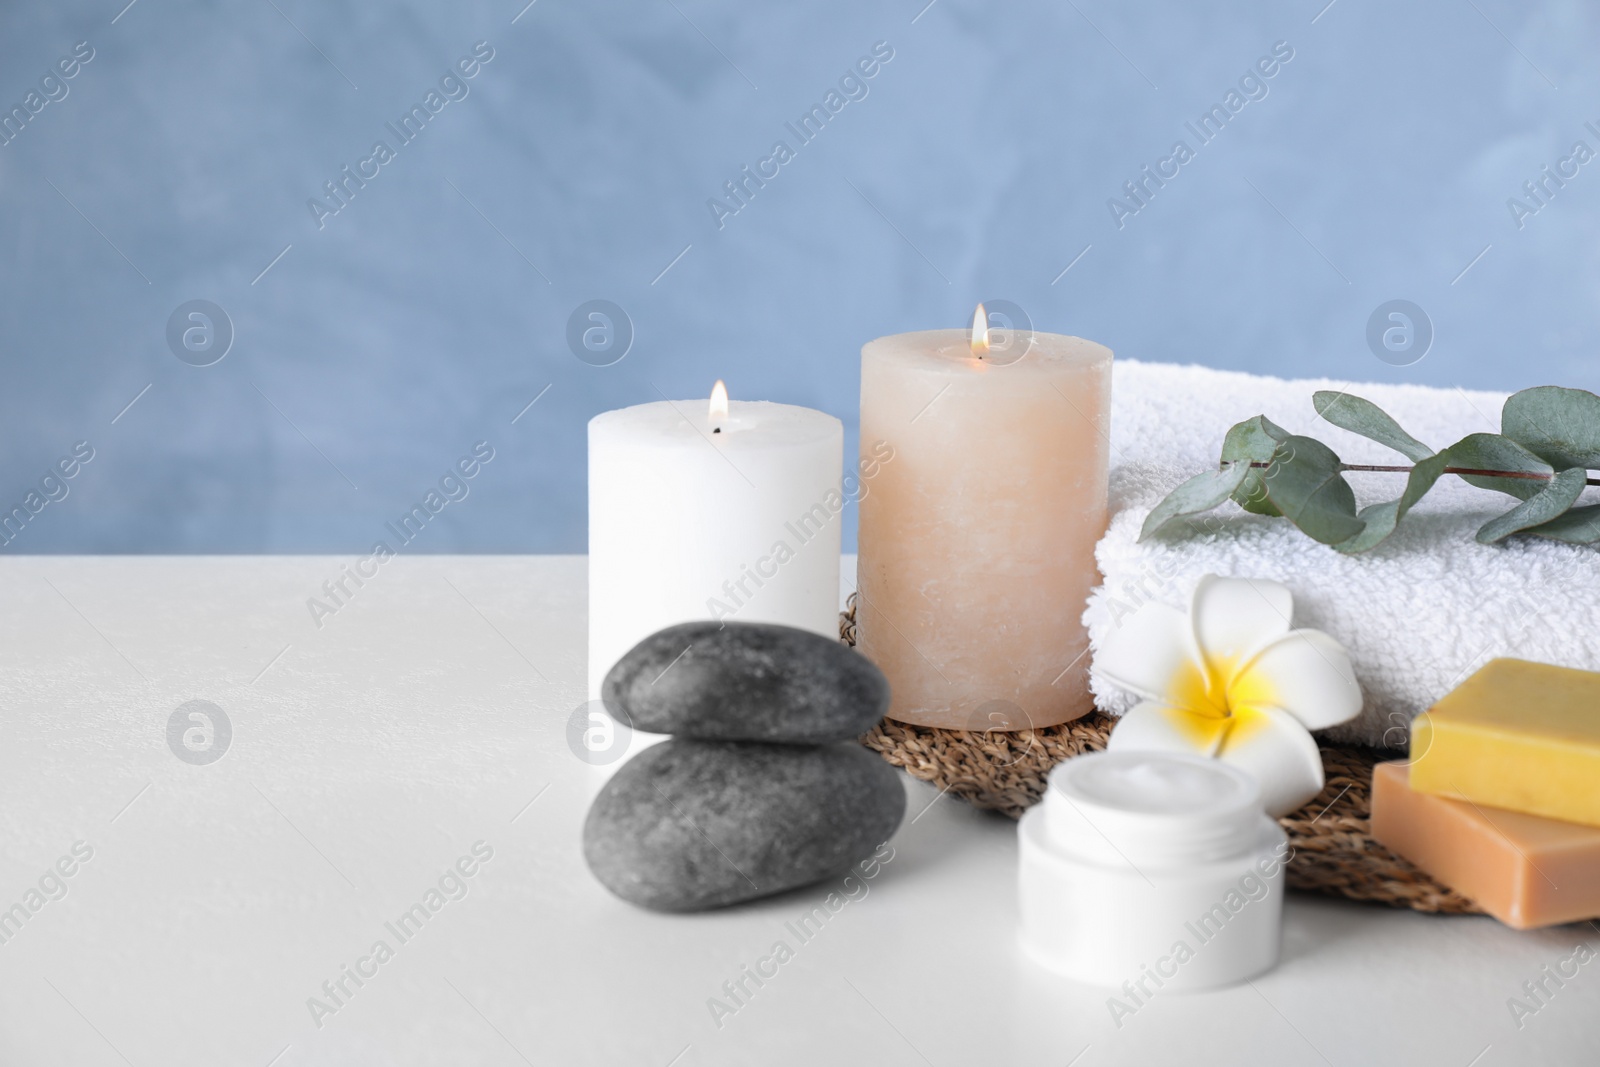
(1418, 613)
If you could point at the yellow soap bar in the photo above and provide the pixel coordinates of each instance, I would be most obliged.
(1516, 735)
(1524, 870)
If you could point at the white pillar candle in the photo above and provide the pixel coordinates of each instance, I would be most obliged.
(711, 511)
(977, 542)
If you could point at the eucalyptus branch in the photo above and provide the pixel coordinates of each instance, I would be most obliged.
(1548, 444)
(1475, 471)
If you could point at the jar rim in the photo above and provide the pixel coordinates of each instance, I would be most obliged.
(1160, 808)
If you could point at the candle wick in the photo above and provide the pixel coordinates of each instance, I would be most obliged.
(717, 429)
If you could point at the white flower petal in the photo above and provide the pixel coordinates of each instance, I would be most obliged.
(1307, 674)
(1149, 654)
(1153, 727)
(1272, 745)
(1233, 617)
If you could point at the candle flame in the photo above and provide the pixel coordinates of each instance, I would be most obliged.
(719, 404)
(980, 332)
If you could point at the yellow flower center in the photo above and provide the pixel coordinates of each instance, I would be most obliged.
(1202, 690)
(1222, 702)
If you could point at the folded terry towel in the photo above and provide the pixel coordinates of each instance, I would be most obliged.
(1418, 613)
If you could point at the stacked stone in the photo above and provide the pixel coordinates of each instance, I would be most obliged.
(762, 787)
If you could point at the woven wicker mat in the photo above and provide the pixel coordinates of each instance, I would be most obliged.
(1334, 851)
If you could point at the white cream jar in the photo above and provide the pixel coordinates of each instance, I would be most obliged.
(1151, 871)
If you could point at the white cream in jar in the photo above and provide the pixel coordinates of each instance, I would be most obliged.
(1151, 872)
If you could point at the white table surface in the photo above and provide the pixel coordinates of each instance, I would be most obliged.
(369, 754)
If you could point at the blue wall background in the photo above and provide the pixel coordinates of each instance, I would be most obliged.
(428, 312)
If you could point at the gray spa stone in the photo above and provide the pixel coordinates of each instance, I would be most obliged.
(688, 825)
(745, 681)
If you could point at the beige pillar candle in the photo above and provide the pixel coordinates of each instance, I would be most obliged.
(977, 542)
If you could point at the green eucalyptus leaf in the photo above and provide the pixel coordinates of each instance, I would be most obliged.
(1254, 441)
(1306, 485)
(1558, 494)
(1369, 420)
(1381, 519)
(1200, 493)
(1579, 526)
(1490, 451)
(1561, 425)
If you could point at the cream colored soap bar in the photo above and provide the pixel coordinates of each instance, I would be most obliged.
(1524, 870)
(1516, 735)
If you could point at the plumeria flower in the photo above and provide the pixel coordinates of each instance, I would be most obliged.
(1230, 679)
